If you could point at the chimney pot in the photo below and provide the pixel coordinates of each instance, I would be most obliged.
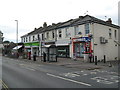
(44, 24)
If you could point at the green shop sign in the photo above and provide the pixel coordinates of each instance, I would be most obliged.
(32, 44)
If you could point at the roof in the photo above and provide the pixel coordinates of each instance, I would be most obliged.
(89, 19)
(71, 22)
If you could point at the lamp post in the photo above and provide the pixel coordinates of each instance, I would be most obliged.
(17, 34)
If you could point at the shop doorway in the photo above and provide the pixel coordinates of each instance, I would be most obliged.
(79, 49)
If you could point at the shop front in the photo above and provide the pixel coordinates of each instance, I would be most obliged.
(63, 51)
(81, 46)
(63, 48)
(32, 47)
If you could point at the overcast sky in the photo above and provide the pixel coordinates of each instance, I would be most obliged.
(33, 13)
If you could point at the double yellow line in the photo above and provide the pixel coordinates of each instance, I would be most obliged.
(4, 85)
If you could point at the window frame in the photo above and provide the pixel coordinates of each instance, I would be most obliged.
(115, 34)
(29, 38)
(60, 33)
(33, 38)
(76, 30)
(87, 28)
(53, 34)
(110, 33)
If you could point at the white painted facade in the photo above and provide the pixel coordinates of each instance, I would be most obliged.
(110, 49)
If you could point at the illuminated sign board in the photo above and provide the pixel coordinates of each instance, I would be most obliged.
(82, 39)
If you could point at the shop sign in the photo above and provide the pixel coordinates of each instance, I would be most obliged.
(83, 39)
(32, 44)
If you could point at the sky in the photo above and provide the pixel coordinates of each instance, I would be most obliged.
(33, 13)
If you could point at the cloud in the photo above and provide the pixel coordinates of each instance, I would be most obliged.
(32, 13)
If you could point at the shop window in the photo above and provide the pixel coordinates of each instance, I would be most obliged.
(110, 33)
(87, 30)
(60, 33)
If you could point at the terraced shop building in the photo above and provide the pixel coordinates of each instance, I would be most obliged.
(1, 41)
(77, 38)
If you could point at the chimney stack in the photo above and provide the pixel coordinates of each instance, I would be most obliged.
(53, 23)
(109, 21)
(45, 24)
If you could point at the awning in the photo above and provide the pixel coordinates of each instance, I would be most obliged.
(48, 46)
(62, 44)
(17, 47)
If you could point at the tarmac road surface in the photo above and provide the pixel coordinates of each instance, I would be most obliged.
(20, 74)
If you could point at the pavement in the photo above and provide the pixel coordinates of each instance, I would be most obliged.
(79, 63)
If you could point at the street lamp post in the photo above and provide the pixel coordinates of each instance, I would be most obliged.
(17, 34)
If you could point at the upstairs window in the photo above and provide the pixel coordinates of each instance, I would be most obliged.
(76, 29)
(110, 33)
(43, 36)
(29, 38)
(47, 35)
(66, 32)
(115, 32)
(33, 38)
(38, 36)
(53, 34)
(26, 39)
(22, 40)
(60, 34)
(87, 29)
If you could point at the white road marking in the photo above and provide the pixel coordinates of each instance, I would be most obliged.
(30, 69)
(93, 73)
(106, 79)
(69, 80)
(70, 75)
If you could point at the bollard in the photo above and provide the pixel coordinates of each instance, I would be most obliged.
(104, 59)
(95, 60)
(34, 57)
(44, 56)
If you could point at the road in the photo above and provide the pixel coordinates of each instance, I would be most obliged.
(21, 74)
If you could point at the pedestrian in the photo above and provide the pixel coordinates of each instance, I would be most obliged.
(90, 57)
(29, 55)
(44, 56)
(34, 56)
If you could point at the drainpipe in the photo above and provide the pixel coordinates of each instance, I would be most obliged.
(93, 41)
